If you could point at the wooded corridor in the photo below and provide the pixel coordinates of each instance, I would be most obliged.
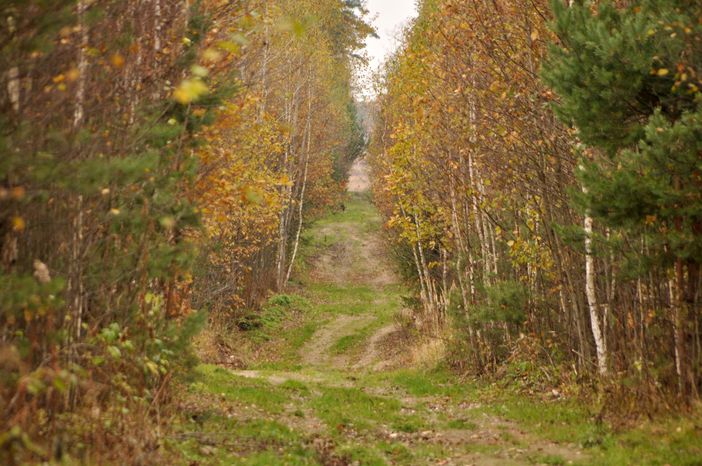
(226, 239)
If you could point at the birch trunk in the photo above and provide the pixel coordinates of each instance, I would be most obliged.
(423, 292)
(13, 88)
(308, 136)
(79, 110)
(157, 25)
(591, 292)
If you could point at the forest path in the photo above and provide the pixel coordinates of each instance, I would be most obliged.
(355, 260)
(337, 391)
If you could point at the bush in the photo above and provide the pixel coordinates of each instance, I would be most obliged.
(506, 302)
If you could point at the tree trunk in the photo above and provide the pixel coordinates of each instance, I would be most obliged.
(591, 292)
(79, 110)
(308, 136)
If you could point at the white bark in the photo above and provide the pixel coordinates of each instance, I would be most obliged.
(133, 77)
(429, 283)
(591, 292)
(423, 292)
(674, 296)
(13, 88)
(75, 284)
(478, 218)
(157, 25)
(291, 111)
(79, 110)
(308, 131)
(264, 64)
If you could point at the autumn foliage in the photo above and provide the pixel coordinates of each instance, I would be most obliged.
(520, 163)
(158, 159)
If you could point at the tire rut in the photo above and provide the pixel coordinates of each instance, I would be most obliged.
(317, 352)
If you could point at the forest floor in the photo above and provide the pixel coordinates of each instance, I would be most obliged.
(328, 377)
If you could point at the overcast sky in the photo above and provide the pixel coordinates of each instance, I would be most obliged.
(388, 17)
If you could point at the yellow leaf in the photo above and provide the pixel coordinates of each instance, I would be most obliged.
(228, 46)
(190, 90)
(18, 223)
(152, 367)
(73, 74)
(199, 71)
(117, 60)
(211, 55)
(252, 196)
(167, 222)
(662, 72)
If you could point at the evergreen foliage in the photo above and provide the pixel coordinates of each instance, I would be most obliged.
(628, 80)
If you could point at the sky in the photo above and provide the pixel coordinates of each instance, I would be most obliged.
(388, 17)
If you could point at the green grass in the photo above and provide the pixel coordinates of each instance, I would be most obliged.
(675, 441)
(462, 424)
(342, 408)
(356, 342)
(220, 440)
(358, 210)
(555, 460)
(363, 454)
(348, 342)
(351, 408)
(215, 380)
(335, 229)
(416, 382)
(322, 303)
(265, 428)
(319, 302)
(559, 421)
(265, 325)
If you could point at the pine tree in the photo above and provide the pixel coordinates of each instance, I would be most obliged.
(629, 81)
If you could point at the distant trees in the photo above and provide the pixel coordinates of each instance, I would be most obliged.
(595, 217)
(156, 156)
(280, 149)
